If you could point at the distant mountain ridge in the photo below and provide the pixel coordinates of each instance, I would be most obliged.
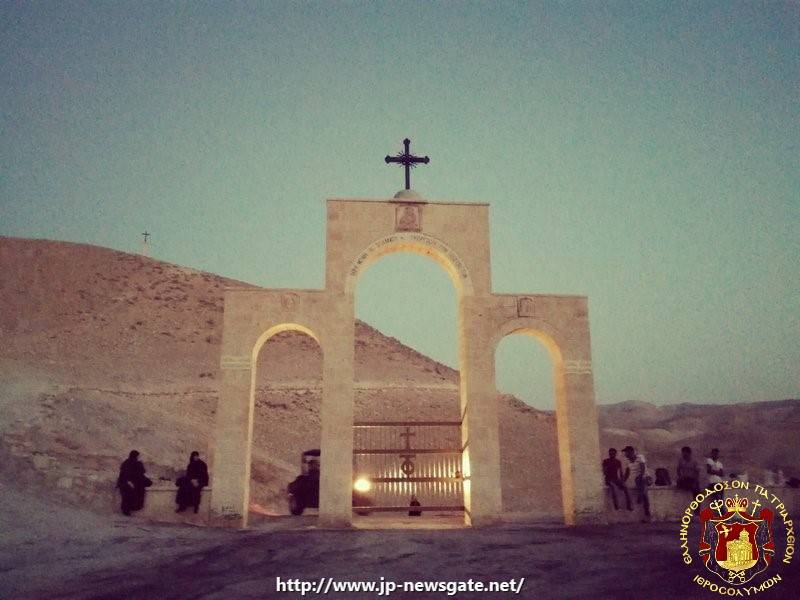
(751, 436)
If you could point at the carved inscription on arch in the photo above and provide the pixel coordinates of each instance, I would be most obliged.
(431, 242)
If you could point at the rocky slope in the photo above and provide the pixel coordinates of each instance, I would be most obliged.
(103, 351)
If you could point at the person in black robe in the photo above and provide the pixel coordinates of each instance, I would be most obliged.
(132, 483)
(185, 495)
(305, 490)
(311, 487)
(190, 486)
(414, 512)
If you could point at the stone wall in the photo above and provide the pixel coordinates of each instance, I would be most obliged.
(667, 504)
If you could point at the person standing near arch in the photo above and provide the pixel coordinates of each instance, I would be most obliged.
(688, 473)
(613, 473)
(636, 478)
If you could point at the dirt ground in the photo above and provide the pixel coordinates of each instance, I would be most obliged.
(53, 551)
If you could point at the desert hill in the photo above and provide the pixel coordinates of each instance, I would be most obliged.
(751, 437)
(103, 351)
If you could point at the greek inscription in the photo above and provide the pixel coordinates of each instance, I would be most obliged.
(433, 243)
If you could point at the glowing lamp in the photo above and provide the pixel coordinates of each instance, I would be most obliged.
(362, 484)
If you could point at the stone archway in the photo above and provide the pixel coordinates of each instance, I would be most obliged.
(572, 398)
(276, 438)
(456, 235)
(387, 420)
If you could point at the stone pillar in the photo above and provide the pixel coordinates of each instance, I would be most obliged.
(230, 495)
(336, 460)
(479, 430)
(578, 443)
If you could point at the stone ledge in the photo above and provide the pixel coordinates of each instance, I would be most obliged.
(668, 503)
(159, 505)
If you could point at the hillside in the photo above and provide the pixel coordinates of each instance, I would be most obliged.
(751, 436)
(104, 351)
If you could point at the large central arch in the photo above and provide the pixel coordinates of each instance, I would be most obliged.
(383, 426)
(456, 235)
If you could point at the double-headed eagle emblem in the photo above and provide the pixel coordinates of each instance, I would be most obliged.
(735, 545)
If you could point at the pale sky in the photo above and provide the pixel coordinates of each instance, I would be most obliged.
(642, 154)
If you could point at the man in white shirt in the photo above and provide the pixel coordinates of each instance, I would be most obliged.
(714, 467)
(635, 476)
(715, 473)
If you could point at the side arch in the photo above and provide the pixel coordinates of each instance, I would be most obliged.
(259, 344)
(417, 243)
(275, 330)
(537, 328)
(576, 419)
(536, 434)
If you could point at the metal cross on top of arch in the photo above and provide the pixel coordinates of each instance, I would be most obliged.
(408, 160)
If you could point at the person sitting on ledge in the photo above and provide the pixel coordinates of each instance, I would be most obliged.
(612, 472)
(715, 473)
(190, 486)
(132, 483)
(414, 503)
(688, 473)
